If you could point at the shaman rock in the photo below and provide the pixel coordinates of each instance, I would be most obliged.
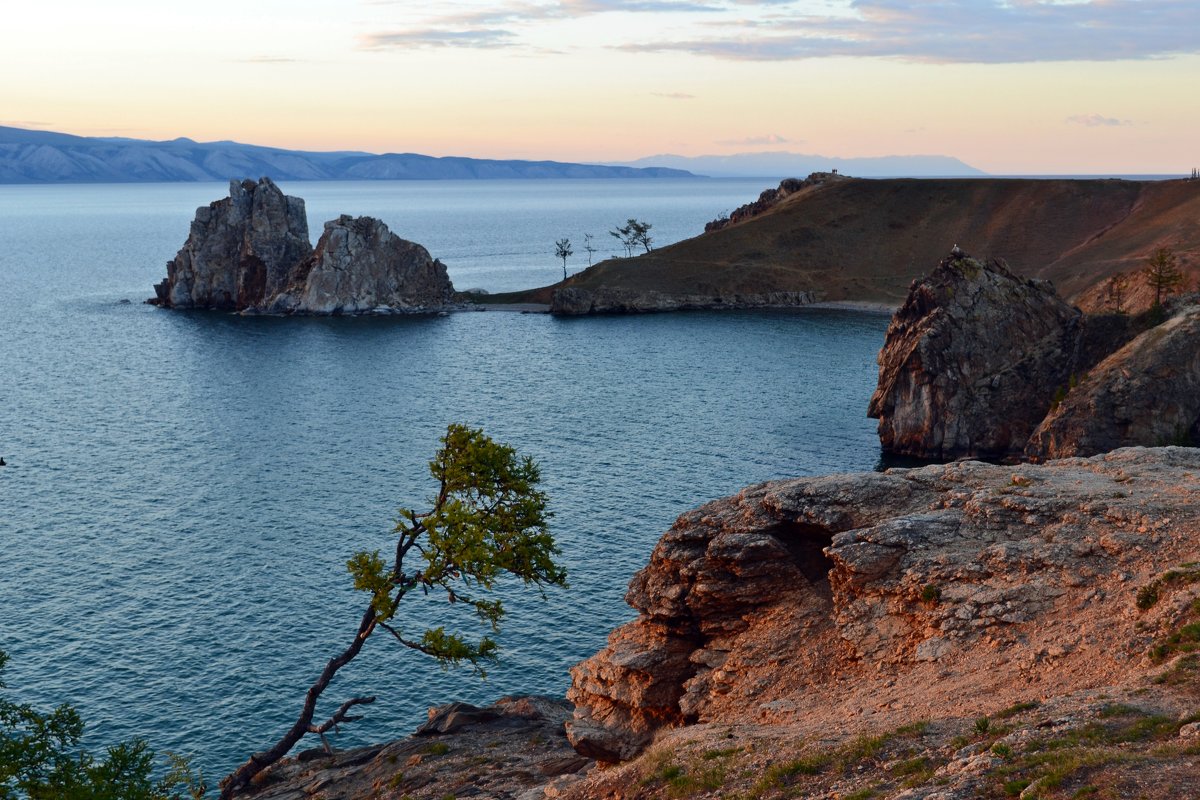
(240, 250)
(250, 253)
(358, 266)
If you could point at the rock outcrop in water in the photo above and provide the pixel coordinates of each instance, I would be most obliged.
(250, 253)
(870, 601)
(359, 266)
(971, 361)
(241, 249)
(980, 362)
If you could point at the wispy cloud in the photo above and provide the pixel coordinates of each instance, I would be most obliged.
(1097, 121)
(675, 95)
(964, 31)
(494, 26)
(955, 31)
(435, 37)
(755, 141)
(25, 123)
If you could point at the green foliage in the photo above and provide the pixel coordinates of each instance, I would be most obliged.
(488, 519)
(931, 594)
(41, 759)
(562, 249)
(632, 234)
(982, 725)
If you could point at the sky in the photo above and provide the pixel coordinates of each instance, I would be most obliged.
(1017, 87)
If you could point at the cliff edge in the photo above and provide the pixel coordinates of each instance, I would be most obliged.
(907, 608)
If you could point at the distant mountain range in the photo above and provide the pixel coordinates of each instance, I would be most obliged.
(796, 165)
(29, 156)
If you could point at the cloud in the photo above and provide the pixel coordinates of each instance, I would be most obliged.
(755, 141)
(961, 31)
(494, 26)
(434, 37)
(25, 123)
(675, 95)
(1096, 121)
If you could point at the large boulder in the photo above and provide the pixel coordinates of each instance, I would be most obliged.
(240, 250)
(972, 361)
(359, 266)
(1146, 393)
(895, 596)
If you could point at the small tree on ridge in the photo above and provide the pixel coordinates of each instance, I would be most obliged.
(562, 249)
(488, 519)
(1162, 274)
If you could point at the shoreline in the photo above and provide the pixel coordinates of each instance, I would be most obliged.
(856, 305)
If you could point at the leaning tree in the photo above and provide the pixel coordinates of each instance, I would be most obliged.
(487, 520)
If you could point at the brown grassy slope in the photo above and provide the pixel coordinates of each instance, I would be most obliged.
(868, 239)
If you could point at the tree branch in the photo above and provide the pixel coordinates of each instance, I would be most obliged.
(241, 777)
(339, 716)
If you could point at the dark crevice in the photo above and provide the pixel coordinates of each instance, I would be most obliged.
(806, 544)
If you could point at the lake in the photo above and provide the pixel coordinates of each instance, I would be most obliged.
(183, 489)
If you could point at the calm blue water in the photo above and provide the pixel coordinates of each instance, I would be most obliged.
(184, 489)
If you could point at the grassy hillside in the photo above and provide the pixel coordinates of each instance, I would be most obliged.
(866, 240)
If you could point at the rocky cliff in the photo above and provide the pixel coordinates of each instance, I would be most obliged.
(1147, 392)
(777, 624)
(240, 250)
(980, 362)
(250, 253)
(971, 361)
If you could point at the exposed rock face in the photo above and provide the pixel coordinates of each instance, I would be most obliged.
(359, 265)
(510, 750)
(574, 301)
(1148, 392)
(250, 253)
(940, 591)
(971, 362)
(240, 250)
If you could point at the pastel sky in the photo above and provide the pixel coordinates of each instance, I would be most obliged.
(1024, 86)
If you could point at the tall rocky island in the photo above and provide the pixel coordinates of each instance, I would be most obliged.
(250, 253)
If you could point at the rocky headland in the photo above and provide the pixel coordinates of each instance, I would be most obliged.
(980, 362)
(778, 625)
(250, 253)
(833, 238)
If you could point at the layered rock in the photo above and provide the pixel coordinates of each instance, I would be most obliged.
(512, 749)
(359, 266)
(1147, 392)
(240, 250)
(971, 361)
(576, 301)
(250, 253)
(940, 590)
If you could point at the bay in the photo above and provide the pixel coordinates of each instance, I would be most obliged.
(183, 489)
